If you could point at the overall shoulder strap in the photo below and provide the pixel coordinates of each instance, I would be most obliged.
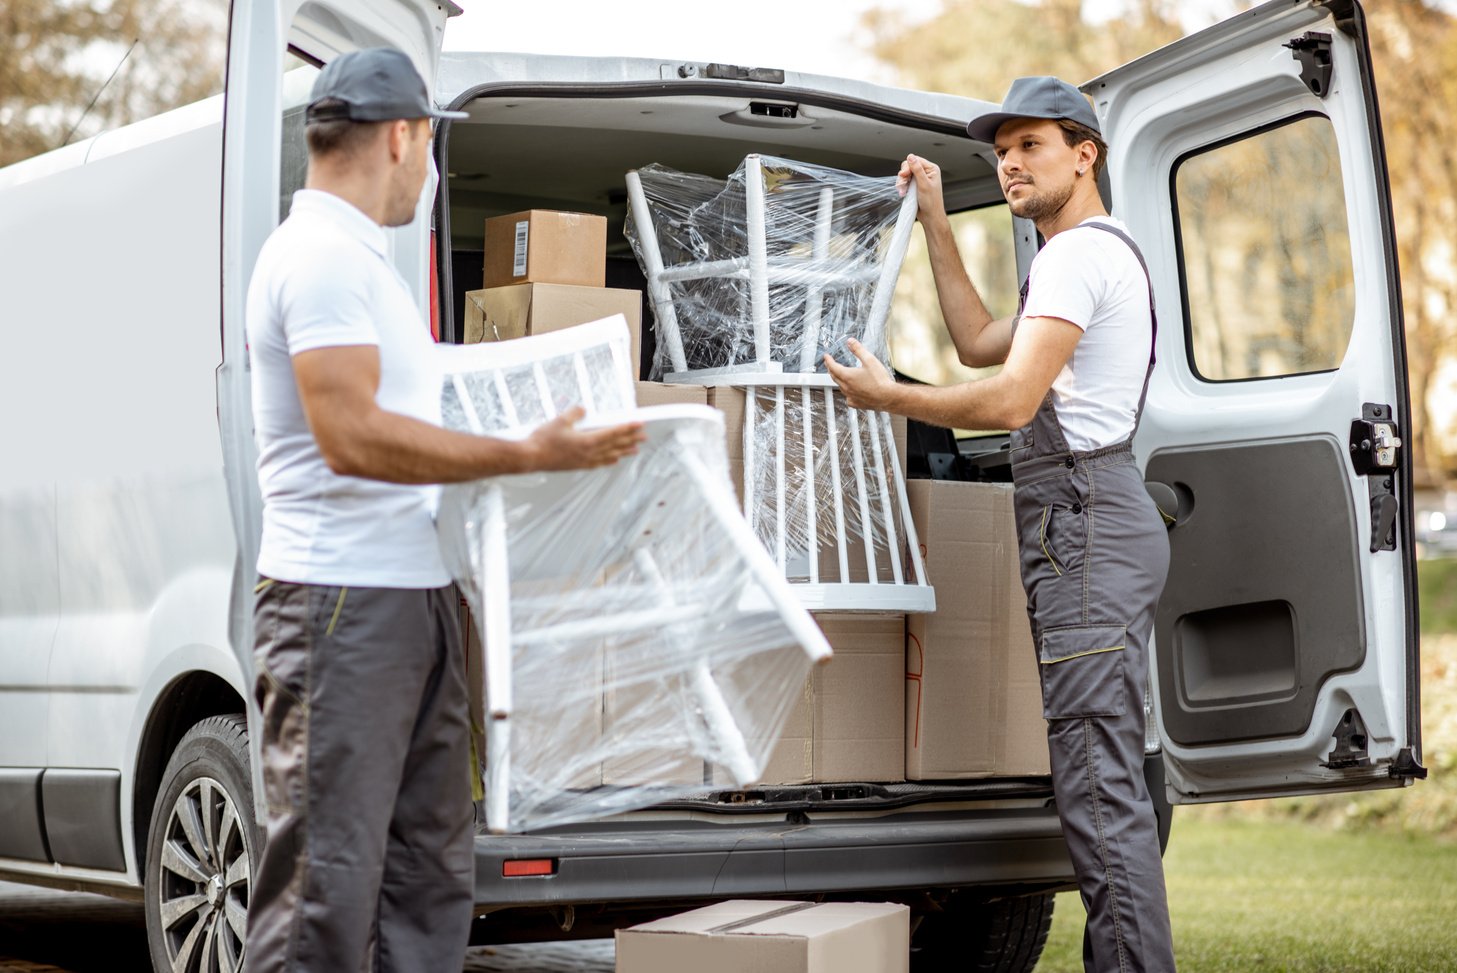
(1153, 316)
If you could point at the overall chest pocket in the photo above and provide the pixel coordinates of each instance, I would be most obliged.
(1062, 534)
(1082, 671)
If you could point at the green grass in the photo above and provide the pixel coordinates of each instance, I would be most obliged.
(1284, 896)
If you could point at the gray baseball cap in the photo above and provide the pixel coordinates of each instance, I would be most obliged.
(378, 84)
(1039, 97)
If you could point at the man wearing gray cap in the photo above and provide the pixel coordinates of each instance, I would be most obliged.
(360, 672)
(1076, 361)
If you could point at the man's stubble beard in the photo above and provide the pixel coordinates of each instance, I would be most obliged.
(1040, 206)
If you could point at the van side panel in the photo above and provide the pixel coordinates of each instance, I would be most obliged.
(113, 336)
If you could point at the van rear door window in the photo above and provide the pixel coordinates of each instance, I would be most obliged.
(1265, 253)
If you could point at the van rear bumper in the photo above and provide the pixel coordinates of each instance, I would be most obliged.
(625, 862)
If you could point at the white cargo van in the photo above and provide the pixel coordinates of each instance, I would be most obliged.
(1248, 161)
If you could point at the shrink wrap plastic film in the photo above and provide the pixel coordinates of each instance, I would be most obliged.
(840, 477)
(823, 241)
(650, 636)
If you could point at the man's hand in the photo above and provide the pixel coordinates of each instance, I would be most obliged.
(560, 445)
(869, 386)
(930, 204)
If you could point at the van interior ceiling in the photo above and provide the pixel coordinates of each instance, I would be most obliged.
(573, 153)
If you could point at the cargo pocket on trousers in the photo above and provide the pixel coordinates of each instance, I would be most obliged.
(1082, 671)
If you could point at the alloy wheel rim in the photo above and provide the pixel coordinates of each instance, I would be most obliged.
(203, 892)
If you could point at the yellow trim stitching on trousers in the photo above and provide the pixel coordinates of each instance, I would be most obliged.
(1042, 539)
(261, 585)
(1079, 655)
(338, 607)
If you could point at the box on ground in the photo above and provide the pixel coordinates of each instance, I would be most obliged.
(849, 722)
(503, 313)
(543, 246)
(771, 937)
(973, 701)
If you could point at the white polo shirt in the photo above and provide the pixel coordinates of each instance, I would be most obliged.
(324, 279)
(1091, 279)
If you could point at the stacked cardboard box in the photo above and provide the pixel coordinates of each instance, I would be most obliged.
(849, 723)
(544, 271)
(973, 703)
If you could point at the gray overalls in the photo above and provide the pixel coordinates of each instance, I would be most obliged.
(1094, 557)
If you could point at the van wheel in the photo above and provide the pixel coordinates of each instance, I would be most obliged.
(201, 851)
(983, 936)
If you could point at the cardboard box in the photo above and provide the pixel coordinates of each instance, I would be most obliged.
(578, 727)
(503, 313)
(771, 937)
(973, 701)
(849, 723)
(543, 246)
(658, 393)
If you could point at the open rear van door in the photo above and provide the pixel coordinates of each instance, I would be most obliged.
(271, 45)
(1248, 161)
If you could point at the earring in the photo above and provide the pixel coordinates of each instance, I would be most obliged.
(1081, 171)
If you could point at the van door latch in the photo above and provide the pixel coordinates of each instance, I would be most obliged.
(1350, 749)
(1313, 51)
(1376, 455)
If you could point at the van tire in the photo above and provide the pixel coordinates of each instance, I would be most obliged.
(983, 935)
(202, 849)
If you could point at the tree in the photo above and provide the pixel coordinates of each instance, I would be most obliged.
(976, 47)
(55, 57)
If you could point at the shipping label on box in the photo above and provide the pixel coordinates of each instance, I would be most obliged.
(771, 937)
(973, 699)
(503, 313)
(546, 247)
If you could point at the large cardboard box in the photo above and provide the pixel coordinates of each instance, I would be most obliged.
(849, 722)
(739, 936)
(973, 702)
(543, 246)
(503, 313)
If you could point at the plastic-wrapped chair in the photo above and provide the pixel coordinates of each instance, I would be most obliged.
(642, 620)
(753, 280)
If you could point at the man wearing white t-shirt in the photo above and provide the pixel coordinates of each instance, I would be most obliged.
(369, 862)
(1094, 552)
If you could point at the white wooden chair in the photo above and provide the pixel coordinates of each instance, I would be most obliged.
(635, 580)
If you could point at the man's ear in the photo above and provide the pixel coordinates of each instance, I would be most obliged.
(1087, 155)
(399, 139)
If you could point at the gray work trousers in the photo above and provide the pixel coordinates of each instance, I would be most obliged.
(1095, 554)
(368, 862)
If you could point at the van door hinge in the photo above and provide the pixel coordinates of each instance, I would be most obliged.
(1376, 455)
(1313, 51)
(1350, 749)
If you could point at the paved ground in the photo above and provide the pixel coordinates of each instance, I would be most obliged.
(42, 931)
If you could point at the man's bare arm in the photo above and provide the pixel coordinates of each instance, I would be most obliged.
(980, 340)
(357, 438)
(1007, 400)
